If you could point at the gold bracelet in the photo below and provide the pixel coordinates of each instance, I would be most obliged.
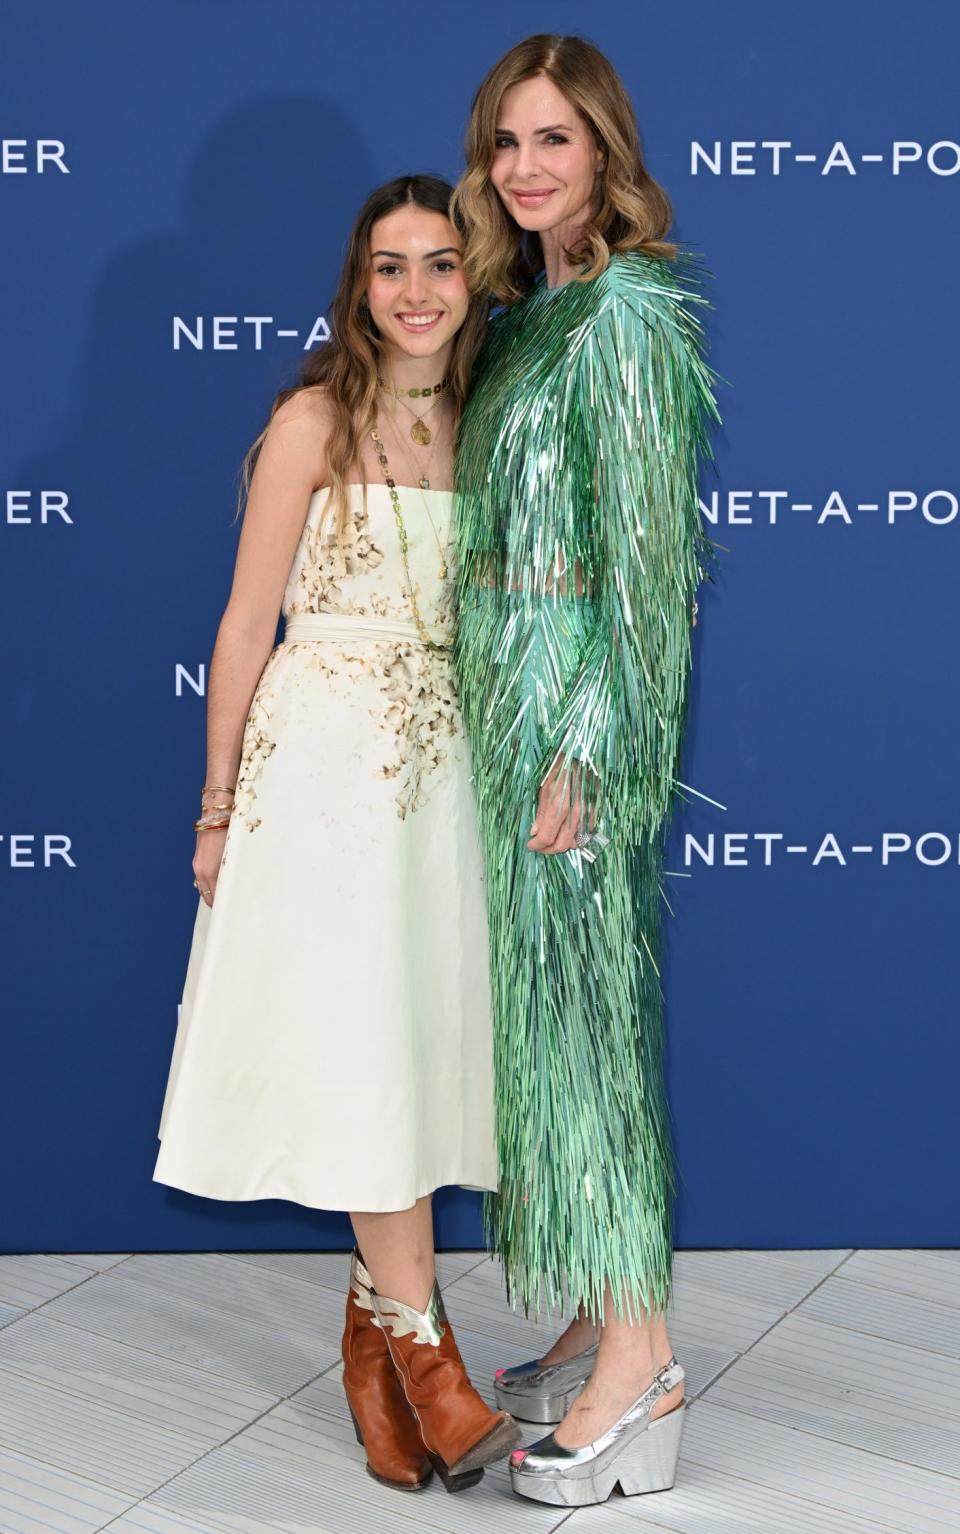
(211, 825)
(217, 788)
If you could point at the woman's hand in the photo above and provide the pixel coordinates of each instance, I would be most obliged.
(559, 812)
(207, 860)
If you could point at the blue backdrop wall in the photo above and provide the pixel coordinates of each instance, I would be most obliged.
(177, 181)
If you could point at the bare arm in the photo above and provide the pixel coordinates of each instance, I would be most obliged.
(290, 467)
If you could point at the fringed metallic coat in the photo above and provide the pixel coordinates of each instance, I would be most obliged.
(580, 548)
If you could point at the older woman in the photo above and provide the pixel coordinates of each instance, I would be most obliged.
(580, 549)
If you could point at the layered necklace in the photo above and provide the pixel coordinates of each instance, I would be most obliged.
(419, 431)
(424, 484)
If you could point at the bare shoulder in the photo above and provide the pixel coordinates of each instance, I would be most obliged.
(299, 431)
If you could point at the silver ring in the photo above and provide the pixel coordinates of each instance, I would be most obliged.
(582, 838)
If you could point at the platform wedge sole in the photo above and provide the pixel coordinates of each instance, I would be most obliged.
(543, 1393)
(646, 1464)
(638, 1454)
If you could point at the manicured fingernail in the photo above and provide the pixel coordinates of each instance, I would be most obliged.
(518, 1456)
(499, 1372)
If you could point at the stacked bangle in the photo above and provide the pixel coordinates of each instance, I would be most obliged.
(214, 817)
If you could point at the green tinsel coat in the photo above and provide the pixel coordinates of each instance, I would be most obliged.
(580, 548)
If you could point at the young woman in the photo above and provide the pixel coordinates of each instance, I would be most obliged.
(334, 1045)
(580, 552)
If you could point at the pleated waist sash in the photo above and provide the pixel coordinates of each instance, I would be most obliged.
(342, 626)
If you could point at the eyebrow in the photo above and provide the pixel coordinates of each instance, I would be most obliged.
(553, 129)
(398, 255)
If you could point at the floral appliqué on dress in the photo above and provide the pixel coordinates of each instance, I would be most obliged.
(328, 562)
(258, 745)
(419, 712)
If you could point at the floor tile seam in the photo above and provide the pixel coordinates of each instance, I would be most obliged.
(413, 1522)
(742, 1353)
(822, 1344)
(801, 1503)
(179, 1294)
(451, 1283)
(938, 1253)
(869, 1374)
(211, 1449)
(166, 1358)
(311, 1283)
(778, 1312)
(874, 1412)
(819, 1321)
(870, 1408)
(230, 1318)
(702, 1291)
(855, 1448)
(32, 1310)
(67, 1387)
(902, 1294)
(112, 1457)
(860, 1331)
(282, 1277)
(804, 1503)
(13, 1366)
(69, 1260)
(40, 1257)
(124, 1436)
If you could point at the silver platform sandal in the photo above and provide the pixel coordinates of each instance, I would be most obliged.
(635, 1454)
(544, 1393)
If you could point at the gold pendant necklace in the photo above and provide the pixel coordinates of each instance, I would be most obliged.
(419, 431)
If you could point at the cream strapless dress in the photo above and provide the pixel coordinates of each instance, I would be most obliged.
(334, 1041)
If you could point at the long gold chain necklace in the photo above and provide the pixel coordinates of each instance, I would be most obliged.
(424, 484)
(419, 431)
(433, 644)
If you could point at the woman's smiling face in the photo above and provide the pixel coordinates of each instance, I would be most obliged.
(416, 288)
(546, 160)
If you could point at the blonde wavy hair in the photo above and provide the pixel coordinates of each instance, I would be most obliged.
(346, 366)
(633, 211)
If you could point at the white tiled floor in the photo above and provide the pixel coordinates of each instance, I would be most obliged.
(200, 1394)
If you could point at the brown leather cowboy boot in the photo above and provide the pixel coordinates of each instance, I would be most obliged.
(382, 1418)
(460, 1432)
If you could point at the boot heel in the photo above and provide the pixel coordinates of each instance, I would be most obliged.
(452, 1480)
(650, 1464)
(356, 1425)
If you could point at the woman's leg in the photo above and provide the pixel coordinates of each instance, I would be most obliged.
(630, 1353)
(397, 1251)
(581, 1334)
(459, 1431)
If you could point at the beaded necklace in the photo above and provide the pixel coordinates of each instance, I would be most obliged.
(433, 644)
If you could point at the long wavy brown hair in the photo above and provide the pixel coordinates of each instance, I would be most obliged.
(346, 366)
(633, 211)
